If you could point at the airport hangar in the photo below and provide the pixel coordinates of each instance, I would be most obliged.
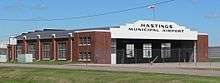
(140, 42)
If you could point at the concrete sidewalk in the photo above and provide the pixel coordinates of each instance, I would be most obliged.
(200, 65)
(169, 68)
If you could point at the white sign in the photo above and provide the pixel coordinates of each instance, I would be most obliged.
(12, 41)
(153, 30)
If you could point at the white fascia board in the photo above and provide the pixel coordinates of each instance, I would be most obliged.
(92, 31)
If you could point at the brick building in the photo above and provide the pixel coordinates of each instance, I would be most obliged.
(139, 42)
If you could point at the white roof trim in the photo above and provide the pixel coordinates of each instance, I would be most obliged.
(202, 33)
(92, 31)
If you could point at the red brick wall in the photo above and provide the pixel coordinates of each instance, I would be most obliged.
(11, 50)
(53, 49)
(102, 47)
(56, 48)
(75, 47)
(202, 48)
(99, 48)
(69, 46)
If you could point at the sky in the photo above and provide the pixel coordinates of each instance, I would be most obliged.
(199, 15)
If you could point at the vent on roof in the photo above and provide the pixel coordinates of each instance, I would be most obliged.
(30, 32)
(38, 31)
(23, 33)
(53, 30)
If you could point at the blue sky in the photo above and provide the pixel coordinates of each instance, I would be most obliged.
(200, 15)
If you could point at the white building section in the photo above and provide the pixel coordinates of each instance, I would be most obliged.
(25, 58)
(153, 30)
(12, 41)
(113, 58)
(3, 58)
(3, 44)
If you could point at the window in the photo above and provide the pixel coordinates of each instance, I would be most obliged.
(113, 46)
(19, 49)
(88, 40)
(85, 41)
(31, 49)
(147, 50)
(81, 41)
(62, 50)
(46, 51)
(84, 56)
(88, 56)
(80, 56)
(165, 50)
(130, 50)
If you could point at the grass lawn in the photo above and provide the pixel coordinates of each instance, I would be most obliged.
(40, 75)
(50, 62)
(214, 59)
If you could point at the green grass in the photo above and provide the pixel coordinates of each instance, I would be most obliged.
(40, 75)
(50, 62)
(214, 59)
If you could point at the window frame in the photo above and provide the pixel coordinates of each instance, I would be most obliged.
(130, 50)
(80, 41)
(147, 50)
(113, 46)
(31, 49)
(62, 51)
(84, 56)
(88, 41)
(166, 50)
(46, 51)
(18, 49)
(85, 40)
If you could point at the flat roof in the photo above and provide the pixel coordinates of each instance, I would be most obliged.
(59, 33)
